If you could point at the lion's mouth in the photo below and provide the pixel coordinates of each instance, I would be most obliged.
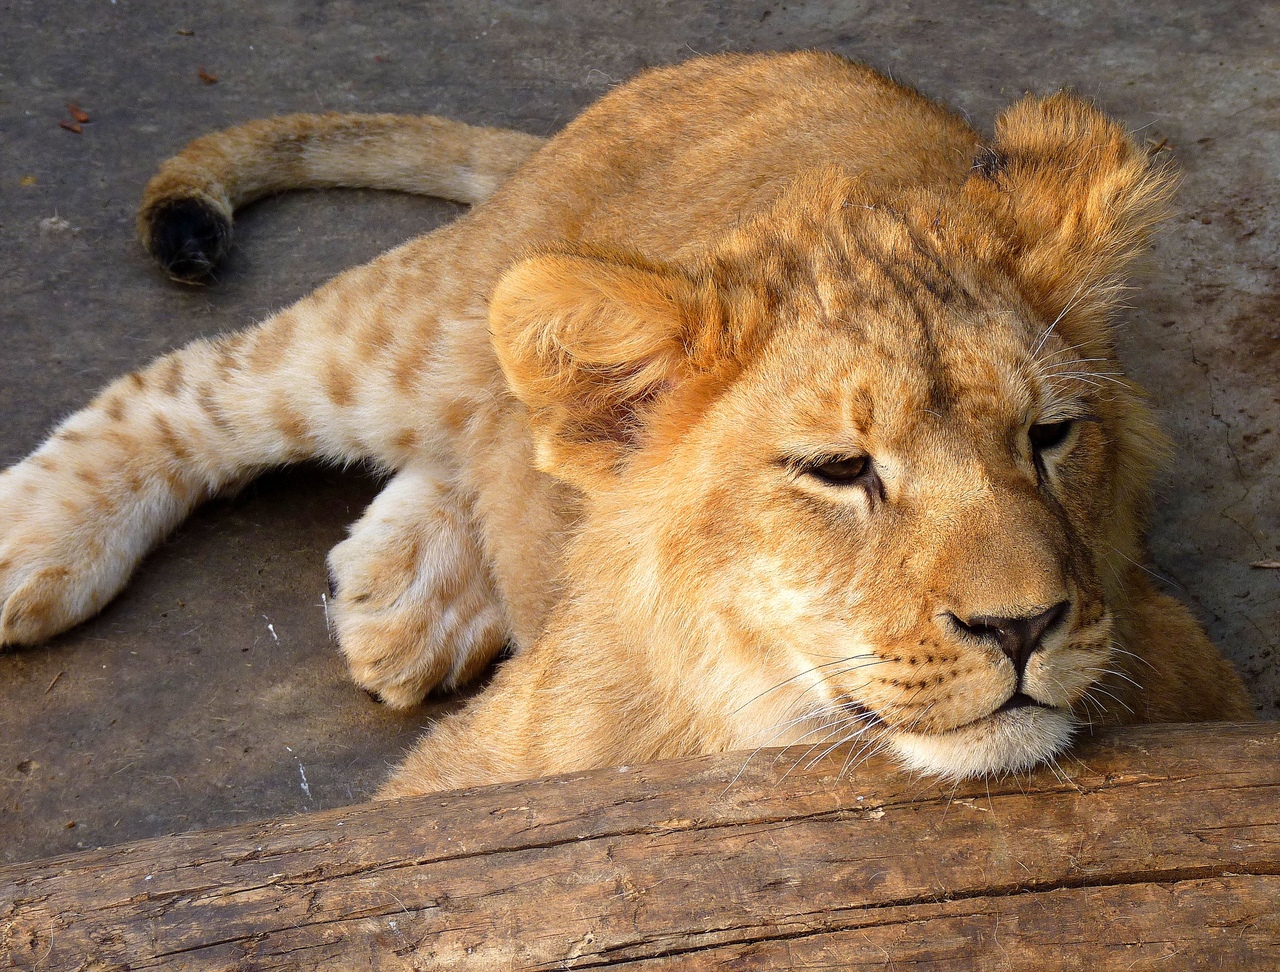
(1016, 736)
(1019, 700)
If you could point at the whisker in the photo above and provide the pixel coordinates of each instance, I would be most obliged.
(1118, 701)
(1112, 376)
(1067, 350)
(831, 727)
(1060, 370)
(1148, 570)
(868, 750)
(1058, 320)
(778, 730)
(1121, 651)
(1117, 673)
(805, 755)
(809, 671)
(1068, 364)
(1055, 769)
(828, 729)
(1088, 699)
(1087, 381)
(834, 746)
(852, 736)
(825, 679)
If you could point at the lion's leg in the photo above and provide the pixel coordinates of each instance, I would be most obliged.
(414, 606)
(78, 515)
(517, 728)
(562, 705)
(344, 374)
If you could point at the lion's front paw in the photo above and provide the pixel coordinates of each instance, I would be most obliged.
(40, 599)
(63, 553)
(414, 607)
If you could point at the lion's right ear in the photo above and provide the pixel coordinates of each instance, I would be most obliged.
(588, 344)
(1082, 195)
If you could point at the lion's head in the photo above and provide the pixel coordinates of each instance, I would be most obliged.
(875, 440)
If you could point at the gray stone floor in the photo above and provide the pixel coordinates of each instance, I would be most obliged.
(209, 692)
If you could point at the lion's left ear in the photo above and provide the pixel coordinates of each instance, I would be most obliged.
(589, 343)
(1081, 194)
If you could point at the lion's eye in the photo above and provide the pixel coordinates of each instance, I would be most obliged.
(844, 471)
(1049, 435)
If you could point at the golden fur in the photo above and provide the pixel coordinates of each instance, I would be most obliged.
(751, 407)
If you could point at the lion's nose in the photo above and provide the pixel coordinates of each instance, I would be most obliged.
(1017, 637)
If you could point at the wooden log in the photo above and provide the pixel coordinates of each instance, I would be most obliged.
(1148, 848)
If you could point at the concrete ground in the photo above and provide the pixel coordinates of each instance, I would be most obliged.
(209, 692)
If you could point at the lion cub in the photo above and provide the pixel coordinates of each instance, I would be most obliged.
(766, 404)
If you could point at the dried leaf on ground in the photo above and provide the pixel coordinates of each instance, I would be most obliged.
(206, 77)
(78, 113)
(71, 126)
(1266, 564)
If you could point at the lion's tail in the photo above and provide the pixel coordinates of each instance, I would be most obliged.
(185, 217)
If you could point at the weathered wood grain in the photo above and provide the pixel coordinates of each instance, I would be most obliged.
(1156, 847)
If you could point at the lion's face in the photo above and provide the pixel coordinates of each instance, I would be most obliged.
(907, 505)
(875, 445)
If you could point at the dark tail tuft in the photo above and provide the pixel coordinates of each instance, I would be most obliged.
(189, 238)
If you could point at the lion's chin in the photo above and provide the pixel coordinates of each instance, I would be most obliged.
(1003, 742)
